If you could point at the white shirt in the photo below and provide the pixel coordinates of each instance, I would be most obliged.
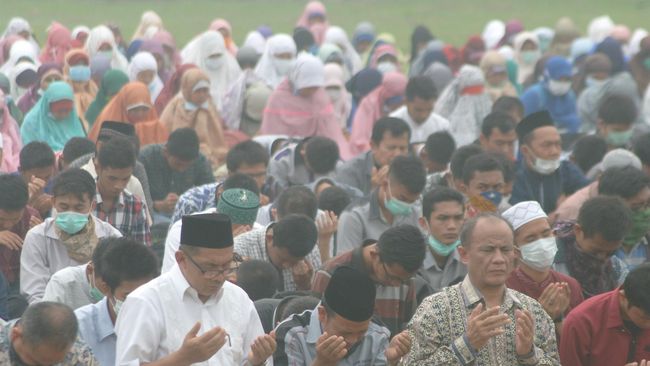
(420, 132)
(155, 319)
(69, 286)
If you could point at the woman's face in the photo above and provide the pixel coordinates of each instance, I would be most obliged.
(529, 46)
(146, 76)
(105, 47)
(496, 78)
(387, 58)
(61, 113)
(50, 77)
(224, 32)
(284, 56)
(200, 96)
(137, 114)
(307, 92)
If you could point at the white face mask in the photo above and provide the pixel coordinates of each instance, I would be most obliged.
(546, 167)
(214, 63)
(386, 67)
(282, 66)
(558, 88)
(335, 94)
(539, 255)
(591, 81)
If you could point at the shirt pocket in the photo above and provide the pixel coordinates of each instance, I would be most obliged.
(236, 349)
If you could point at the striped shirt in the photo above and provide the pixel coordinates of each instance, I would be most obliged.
(128, 215)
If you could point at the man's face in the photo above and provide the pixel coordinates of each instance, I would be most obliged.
(112, 181)
(635, 314)
(615, 128)
(41, 173)
(420, 109)
(280, 256)
(336, 325)
(596, 245)
(175, 163)
(446, 220)
(386, 274)
(126, 287)
(205, 260)
(42, 354)
(255, 171)
(485, 182)
(9, 219)
(532, 231)
(70, 202)
(640, 201)
(389, 147)
(500, 142)
(390, 188)
(545, 144)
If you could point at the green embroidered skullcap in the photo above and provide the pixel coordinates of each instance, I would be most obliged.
(240, 205)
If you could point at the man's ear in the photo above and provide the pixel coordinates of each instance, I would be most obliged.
(464, 255)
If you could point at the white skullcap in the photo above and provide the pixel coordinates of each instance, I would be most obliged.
(523, 213)
(620, 158)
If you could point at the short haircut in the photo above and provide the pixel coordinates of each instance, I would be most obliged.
(183, 144)
(440, 146)
(49, 323)
(75, 181)
(480, 163)
(333, 199)
(36, 155)
(499, 120)
(508, 167)
(409, 172)
(296, 233)
(438, 195)
(239, 180)
(588, 151)
(394, 126)
(459, 158)
(297, 200)
(259, 279)
(127, 260)
(421, 87)
(637, 288)
(403, 245)
(117, 153)
(321, 154)
(625, 182)
(14, 194)
(77, 147)
(641, 148)
(297, 305)
(508, 104)
(467, 231)
(247, 152)
(605, 215)
(98, 253)
(617, 109)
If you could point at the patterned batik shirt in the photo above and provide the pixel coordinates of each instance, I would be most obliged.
(438, 331)
(195, 199)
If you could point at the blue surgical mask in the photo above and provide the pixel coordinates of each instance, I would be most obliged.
(191, 107)
(71, 222)
(619, 138)
(79, 73)
(397, 207)
(493, 196)
(440, 248)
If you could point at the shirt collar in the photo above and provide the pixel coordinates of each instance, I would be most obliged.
(183, 288)
(103, 325)
(472, 296)
(99, 200)
(374, 212)
(614, 319)
(430, 260)
(314, 332)
(50, 228)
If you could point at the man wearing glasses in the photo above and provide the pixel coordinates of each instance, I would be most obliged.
(192, 314)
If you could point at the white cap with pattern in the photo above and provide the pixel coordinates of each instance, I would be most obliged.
(523, 213)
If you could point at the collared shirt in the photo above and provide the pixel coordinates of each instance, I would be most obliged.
(289, 169)
(128, 215)
(195, 199)
(569, 208)
(357, 172)
(79, 354)
(636, 256)
(9, 258)
(96, 329)
(438, 331)
(252, 245)
(155, 319)
(366, 221)
(69, 286)
(436, 278)
(394, 305)
(44, 254)
(594, 334)
(421, 131)
(297, 337)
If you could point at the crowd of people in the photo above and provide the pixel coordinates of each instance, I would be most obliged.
(319, 199)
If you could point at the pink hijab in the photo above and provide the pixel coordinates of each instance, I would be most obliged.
(218, 24)
(318, 30)
(11, 141)
(372, 108)
(59, 42)
(384, 49)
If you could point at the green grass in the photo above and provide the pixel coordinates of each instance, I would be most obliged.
(452, 20)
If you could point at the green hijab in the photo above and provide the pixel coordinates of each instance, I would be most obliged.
(112, 82)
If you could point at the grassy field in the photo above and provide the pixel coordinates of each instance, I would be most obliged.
(452, 20)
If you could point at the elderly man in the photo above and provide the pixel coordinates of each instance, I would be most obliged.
(481, 321)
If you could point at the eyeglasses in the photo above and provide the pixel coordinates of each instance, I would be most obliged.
(215, 273)
(393, 278)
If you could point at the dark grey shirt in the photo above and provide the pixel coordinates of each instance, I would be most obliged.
(357, 172)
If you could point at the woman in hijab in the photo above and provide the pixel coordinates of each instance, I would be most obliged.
(79, 36)
(132, 104)
(111, 84)
(5, 87)
(360, 85)
(432, 53)
(58, 44)
(171, 88)
(208, 52)
(527, 52)
(144, 68)
(419, 40)
(362, 39)
(20, 27)
(595, 70)
(386, 98)
(640, 66)
(493, 66)
(194, 108)
(329, 52)
(513, 27)
(337, 36)
(314, 18)
(440, 74)
(53, 119)
(223, 26)
(493, 33)
(20, 51)
(77, 73)
(102, 40)
(473, 50)
(300, 107)
(304, 40)
(99, 65)
(148, 20)
(47, 73)
(385, 58)
(600, 28)
(256, 41)
(23, 77)
(172, 58)
(565, 33)
(11, 142)
(276, 61)
(156, 49)
(339, 96)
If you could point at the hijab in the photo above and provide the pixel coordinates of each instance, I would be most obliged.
(432, 53)
(561, 107)
(30, 98)
(173, 61)
(144, 61)
(494, 61)
(640, 65)
(24, 68)
(18, 25)
(336, 35)
(580, 47)
(493, 33)
(256, 41)
(513, 27)
(84, 91)
(19, 51)
(11, 142)
(421, 34)
(157, 50)
(526, 66)
(441, 75)
(565, 33)
(40, 126)
(58, 44)
(600, 28)
(341, 99)
(149, 19)
(112, 82)
(613, 50)
(363, 82)
(314, 8)
(269, 68)
(222, 24)
(99, 36)
(99, 65)
(472, 51)
(597, 62)
(171, 88)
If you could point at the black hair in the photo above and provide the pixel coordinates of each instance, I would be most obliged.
(617, 109)
(421, 87)
(409, 172)
(467, 231)
(75, 181)
(298, 304)
(77, 147)
(14, 194)
(49, 323)
(239, 180)
(296, 233)
(36, 155)
(403, 245)
(641, 148)
(499, 120)
(117, 153)
(259, 279)
(297, 200)
(395, 126)
(625, 182)
(126, 260)
(438, 195)
(508, 167)
(321, 154)
(637, 288)
(247, 152)
(507, 104)
(333, 199)
(98, 253)
(459, 158)
(605, 215)
(480, 163)
(588, 151)
(439, 147)
(183, 144)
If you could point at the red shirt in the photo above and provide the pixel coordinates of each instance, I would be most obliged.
(594, 335)
(520, 281)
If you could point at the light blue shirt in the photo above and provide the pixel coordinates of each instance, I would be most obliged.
(97, 330)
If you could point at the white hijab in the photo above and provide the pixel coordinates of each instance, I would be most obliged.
(20, 49)
(17, 25)
(267, 68)
(144, 61)
(493, 33)
(525, 70)
(600, 28)
(97, 37)
(256, 41)
(337, 36)
(149, 19)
